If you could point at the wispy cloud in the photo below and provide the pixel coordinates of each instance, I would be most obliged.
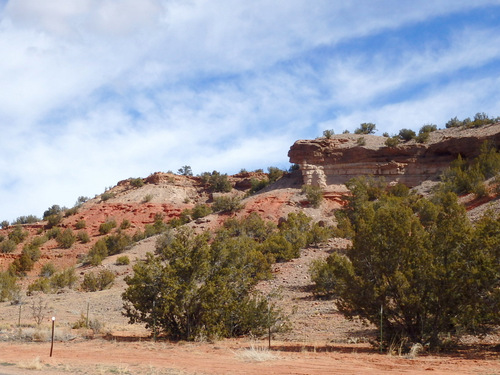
(94, 91)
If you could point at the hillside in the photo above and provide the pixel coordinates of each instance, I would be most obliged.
(324, 162)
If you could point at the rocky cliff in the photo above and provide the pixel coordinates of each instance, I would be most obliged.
(336, 160)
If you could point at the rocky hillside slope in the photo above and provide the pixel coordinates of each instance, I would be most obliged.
(332, 161)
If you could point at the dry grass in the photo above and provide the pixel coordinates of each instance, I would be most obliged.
(33, 364)
(256, 354)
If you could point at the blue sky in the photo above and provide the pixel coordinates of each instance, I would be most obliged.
(96, 91)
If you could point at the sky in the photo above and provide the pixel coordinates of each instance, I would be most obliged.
(96, 91)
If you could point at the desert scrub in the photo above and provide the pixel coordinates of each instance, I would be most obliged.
(106, 227)
(314, 195)
(123, 260)
(66, 238)
(7, 246)
(83, 236)
(80, 224)
(93, 283)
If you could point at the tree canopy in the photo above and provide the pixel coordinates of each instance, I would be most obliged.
(419, 260)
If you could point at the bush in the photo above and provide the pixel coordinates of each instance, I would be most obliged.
(30, 219)
(136, 182)
(7, 246)
(106, 227)
(123, 260)
(93, 283)
(54, 210)
(185, 170)
(125, 224)
(406, 134)
(200, 210)
(63, 279)
(274, 174)
(54, 220)
(48, 269)
(97, 253)
(115, 244)
(107, 196)
(257, 185)
(416, 258)
(4, 224)
(216, 182)
(9, 289)
(83, 236)
(18, 235)
(314, 195)
(203, 290)
(53, 232)
(227, 204)
(66, 238)
(366, 128)
(392, 141)
(80, 224)
(328, 133)
(361, 141)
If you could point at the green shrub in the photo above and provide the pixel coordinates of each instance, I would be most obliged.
(366, 128)
(53, 232)
(257, 185)
(227, 204)
(328, 133)
(30, 219)
(200, 210)
(392, 141)
(216, 182)
(9, 290)
(18, 234)
(136, 182)
(314, 195)
(63, 279)
(123, 260)
(4, 224)
(107, 196)
(417, 258)
(97, 253)
(274, 174)
(361, 141)
(83, 236)
(203, 290)
(125, 224)
(117, 243)
(54, 210)
(93, 283)
(422, 137)
(54, 220)
(7, 246)
(48, 269)
(66, 238)
(39, 285)
(185, 170)
(71, 211)
(407, 134)
(80, 224)
(106, 227)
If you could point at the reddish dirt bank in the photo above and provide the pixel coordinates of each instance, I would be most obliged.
(225, 357)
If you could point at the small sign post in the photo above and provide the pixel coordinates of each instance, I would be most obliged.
(52, 341)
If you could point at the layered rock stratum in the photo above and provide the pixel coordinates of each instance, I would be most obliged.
(335, 160)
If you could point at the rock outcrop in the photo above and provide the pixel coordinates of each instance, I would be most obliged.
(336, 160)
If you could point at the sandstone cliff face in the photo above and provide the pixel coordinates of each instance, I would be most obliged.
(334, 161)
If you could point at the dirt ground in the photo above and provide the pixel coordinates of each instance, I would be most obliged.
(227, 357)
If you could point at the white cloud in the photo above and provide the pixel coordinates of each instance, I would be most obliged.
(94, 91)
